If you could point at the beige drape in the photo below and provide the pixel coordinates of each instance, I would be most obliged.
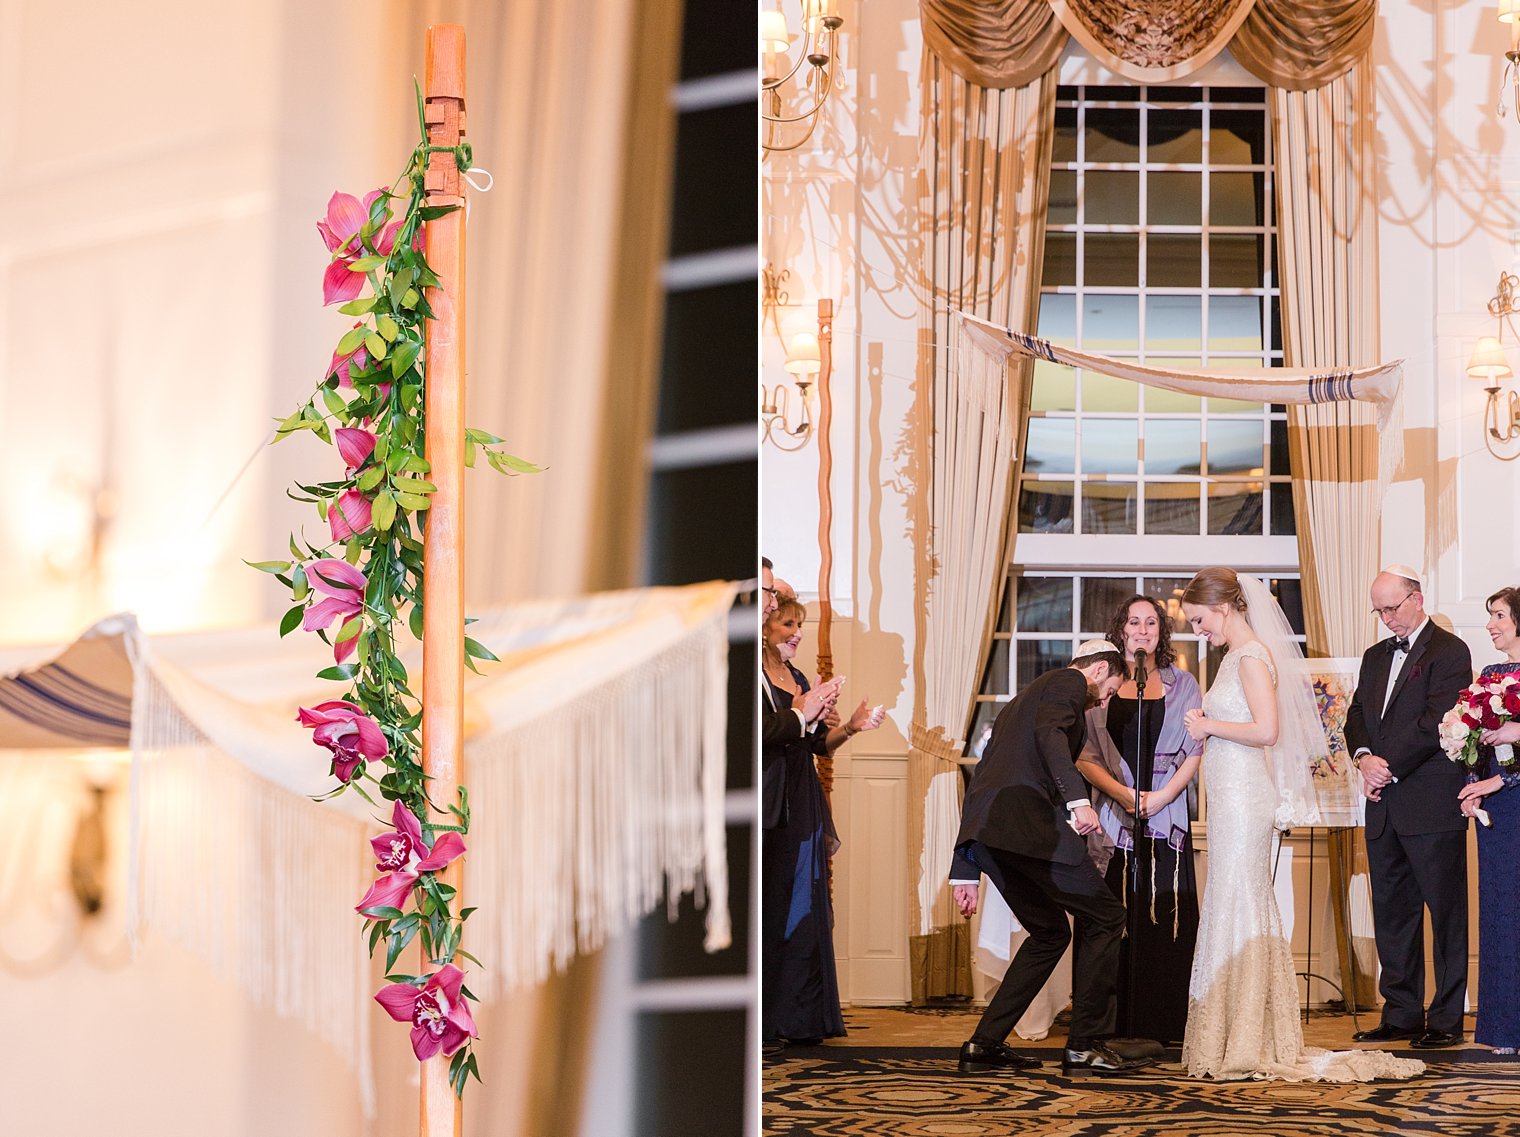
(985, 161)
(1326, 182)
(1296, 44)
(1302, 44)
(993, 43)
(568, 108)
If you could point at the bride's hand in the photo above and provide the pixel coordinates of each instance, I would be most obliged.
(1195, 723)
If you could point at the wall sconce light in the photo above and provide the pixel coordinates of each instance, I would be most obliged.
(1509, 13)
(809, 359)
(819, 25)
(1501, 416)
(804, 362)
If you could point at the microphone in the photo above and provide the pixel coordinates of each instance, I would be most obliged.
(1140, 670)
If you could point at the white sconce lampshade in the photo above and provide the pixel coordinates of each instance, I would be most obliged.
(773, 33)
(802, 357)
(1488, 360)
(1509, 11)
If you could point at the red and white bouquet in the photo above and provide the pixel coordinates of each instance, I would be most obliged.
(1486, 705)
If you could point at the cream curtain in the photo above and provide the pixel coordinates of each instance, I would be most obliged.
(1297, 44)
(562, 261)
(985, 157)
(1327, 216)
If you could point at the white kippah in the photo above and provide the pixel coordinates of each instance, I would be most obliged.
(1405, 571)
(1094, 647)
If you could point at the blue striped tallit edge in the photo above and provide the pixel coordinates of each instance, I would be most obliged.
(1334, 387)
(64, 703)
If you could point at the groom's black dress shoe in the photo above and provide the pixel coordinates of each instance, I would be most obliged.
(991, 1057)
(1436, 1039)
(1099, 1059)
(1385, 1033)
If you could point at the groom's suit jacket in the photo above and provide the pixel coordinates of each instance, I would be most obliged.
(1018, 794)
(1424, 799)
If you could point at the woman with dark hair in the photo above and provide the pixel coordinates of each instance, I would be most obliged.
(1163, 936)
(1498, 849)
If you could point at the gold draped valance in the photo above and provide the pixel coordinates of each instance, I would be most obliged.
(1298, 45)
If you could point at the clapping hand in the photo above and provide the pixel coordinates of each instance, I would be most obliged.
(821, 699)
(866, 717)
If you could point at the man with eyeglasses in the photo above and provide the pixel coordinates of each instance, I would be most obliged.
(1416, 834)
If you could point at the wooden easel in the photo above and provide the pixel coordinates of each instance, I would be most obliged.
(443, 583)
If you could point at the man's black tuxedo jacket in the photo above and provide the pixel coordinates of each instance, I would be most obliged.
(1018, 794)
(1424, 800)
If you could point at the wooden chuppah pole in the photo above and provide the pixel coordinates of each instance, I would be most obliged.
(443, 579)
(825, 534)
(825, 490)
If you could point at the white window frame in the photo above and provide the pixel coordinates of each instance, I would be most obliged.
(1165, 550)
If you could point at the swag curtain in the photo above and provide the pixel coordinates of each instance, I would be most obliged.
(1327, 216)
(1291, 44)
(985, 157)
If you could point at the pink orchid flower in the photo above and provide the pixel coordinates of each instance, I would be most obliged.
(403, 857)
(355, 445)
(346, 215)
(353, 737)
(348, 515)
(342, 587)
(439, 1014)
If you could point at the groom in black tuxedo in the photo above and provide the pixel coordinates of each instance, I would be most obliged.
(1416, 834)
(1024, 823)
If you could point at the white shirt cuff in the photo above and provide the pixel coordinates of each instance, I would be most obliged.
(1071, 805)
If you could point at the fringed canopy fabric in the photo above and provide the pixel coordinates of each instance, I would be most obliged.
(1292, 44)
(595, 759)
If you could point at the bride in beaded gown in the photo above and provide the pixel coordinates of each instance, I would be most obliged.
(1243, 1011)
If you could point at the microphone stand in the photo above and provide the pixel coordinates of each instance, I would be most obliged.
(1144, 761)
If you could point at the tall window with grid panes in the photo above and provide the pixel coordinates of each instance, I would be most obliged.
(1159, 248)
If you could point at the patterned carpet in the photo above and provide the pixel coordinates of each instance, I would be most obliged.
(857, 1091)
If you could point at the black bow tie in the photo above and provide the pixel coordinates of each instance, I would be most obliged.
(1399, 643)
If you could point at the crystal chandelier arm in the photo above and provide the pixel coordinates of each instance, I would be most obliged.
(770, 149)
(828, 85)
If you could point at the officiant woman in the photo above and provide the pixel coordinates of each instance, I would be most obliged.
(1165, 928)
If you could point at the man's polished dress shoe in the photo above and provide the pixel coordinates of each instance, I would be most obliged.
(1436, 1039)
(1385, 1033)
(991, 1057)
(1099, 1059)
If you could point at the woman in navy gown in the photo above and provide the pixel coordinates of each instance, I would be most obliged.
(799, 996)
(1496, 788)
